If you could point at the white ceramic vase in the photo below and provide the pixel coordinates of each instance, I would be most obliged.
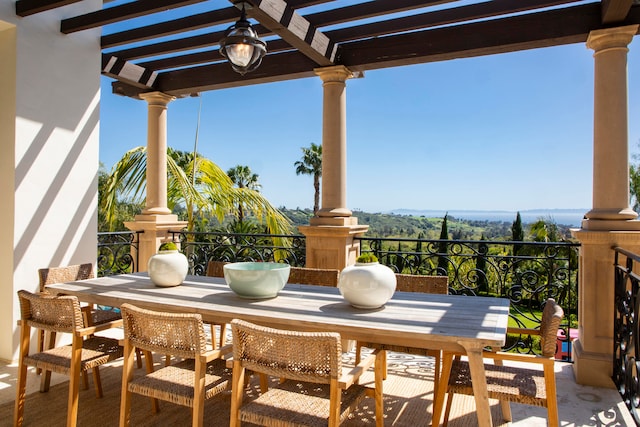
(168, 268)
(367, 285)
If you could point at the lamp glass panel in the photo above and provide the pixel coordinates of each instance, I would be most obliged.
(240, 54)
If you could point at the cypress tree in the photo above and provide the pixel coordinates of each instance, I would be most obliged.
(443, 260)
(481, 266)
(517, 233)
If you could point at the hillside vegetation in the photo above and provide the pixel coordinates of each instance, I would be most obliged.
(406, 226)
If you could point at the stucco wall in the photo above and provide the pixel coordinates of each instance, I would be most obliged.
(49, 150)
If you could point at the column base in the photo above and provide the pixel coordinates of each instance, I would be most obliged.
(156, 230)
(611, 214)
(592, 369)
(335, 212)
(610, 225)
(332, 245)
(334, 221)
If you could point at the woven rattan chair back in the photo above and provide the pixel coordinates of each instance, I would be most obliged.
(303, 356)
(200, 375)
(520, 384)
(60, 314)
(314, 276)
(312, 390)
(216, 268)
(51, 313)
(177, 334)
(424, 284)
(51, 275)
(552, 316)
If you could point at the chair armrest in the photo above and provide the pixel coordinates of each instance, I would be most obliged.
(218, 353)
(90, 330)
(354, 373)
(527, 358)
(523, 331)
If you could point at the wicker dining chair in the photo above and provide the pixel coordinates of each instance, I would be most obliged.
(413, 283)
(314, 276)
(93, 315)
(528, 386)
(200, 375)
(313, 389)
(61, 314)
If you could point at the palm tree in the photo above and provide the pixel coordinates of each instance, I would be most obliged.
(311, 164)
(192, 180)
(242, 177)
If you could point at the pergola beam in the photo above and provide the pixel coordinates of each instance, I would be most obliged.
(550, 28)
(31, 7)
(296, 30)
(614, 11)
(120, 13)
(136, 75)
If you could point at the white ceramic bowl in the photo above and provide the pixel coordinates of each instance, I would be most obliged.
(256, 279)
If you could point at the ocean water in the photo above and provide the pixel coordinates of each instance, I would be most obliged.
(567, 217)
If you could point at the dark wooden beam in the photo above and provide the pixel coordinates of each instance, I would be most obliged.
(188, 23)
(30, 7)
(436, 18)
(544, 29)
(205, 57)
(176, 26)
(120, 13)
(614, 11)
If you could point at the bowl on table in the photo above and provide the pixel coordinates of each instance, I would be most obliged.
(256, 279)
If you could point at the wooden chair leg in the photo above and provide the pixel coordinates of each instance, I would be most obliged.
(40, 347)
(138, 358)
(552, 401)
(18, 412)
(148, 358)
(74, 379)
(125, 394)
(97, 382)
(85, 380)
(45, 379)
(223, 334)
(447, 411)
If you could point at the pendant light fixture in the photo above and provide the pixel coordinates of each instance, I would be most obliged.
(242, 47)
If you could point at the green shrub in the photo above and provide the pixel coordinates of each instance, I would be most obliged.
(367, 257)
(168, 246)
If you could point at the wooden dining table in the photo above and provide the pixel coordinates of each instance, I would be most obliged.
(452, 323)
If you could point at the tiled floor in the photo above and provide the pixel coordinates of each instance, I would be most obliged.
(578, 405)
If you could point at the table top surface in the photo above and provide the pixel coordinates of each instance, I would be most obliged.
(424, 320)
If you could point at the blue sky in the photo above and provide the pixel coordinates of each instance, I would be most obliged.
(503, 132)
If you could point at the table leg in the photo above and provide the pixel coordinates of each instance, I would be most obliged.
(479, 381)
(440, 393)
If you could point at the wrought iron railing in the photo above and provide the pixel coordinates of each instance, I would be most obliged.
(525, 272)
(115, 254)
(200, 247)
(626, 347)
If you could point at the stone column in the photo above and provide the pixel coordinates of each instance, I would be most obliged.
(610, 130)
(334, 141)
(610, 222)
(156, 220)
(330, 237)
(156, 202)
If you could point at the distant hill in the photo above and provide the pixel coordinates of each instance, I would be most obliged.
(427, 224)
(567, 217)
